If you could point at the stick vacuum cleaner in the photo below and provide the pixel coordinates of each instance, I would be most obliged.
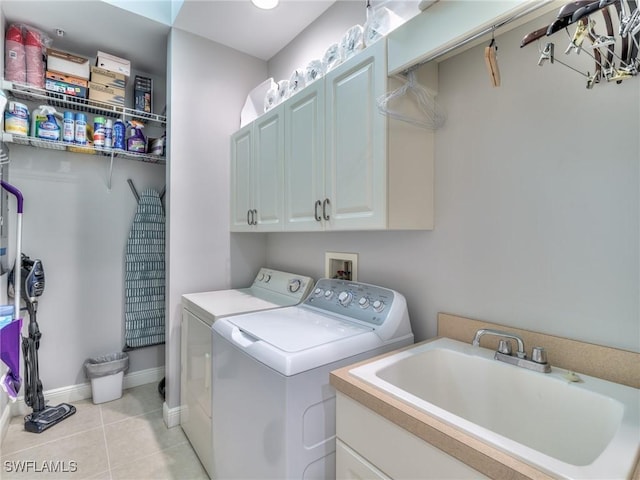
(26, 281)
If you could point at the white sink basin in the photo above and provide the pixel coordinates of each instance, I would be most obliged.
(589, 429)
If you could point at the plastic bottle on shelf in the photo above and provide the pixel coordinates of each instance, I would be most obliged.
(98, 131)
(16, 119)
(119, 132)
(81, 129)
(49, 129)
(68, 128)
(44, 123)
(136, 142)
(108, 134)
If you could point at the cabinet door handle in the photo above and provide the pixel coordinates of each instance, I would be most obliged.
(315, 211)
(326, 203)
(255, 217)
(249, 217)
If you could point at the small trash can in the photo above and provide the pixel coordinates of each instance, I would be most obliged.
(106, 374)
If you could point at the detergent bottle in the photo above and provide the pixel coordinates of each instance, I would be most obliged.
(119, 133)
(136, 142)
(45, 124)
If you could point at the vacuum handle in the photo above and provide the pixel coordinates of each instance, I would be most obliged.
(15, 192)
(17, 269)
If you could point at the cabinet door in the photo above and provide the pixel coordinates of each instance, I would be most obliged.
(357, 142)
(269, 170)
(304, 159)
(351, 466)
(241, 179)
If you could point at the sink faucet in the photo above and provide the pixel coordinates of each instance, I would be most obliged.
(489, 331)
(503, 354)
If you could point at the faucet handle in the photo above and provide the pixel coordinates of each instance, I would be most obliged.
(539, 355)
(504, 346)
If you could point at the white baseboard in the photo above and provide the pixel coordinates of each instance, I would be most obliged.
(171, 416)
(5, 418)
(82, 391)
(143, 377)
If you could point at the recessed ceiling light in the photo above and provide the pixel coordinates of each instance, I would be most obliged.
(265, 4)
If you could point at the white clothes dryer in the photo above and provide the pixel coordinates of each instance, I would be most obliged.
(273, 406)
(270, 289)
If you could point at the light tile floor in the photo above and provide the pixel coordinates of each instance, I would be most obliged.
(122, 439)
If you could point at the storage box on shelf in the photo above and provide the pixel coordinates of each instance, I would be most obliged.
(113, 63)
(107, 86)
(67, 63)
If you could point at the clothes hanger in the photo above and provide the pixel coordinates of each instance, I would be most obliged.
(563, 19)
(565, 15)
(428, 113)
(491, 61)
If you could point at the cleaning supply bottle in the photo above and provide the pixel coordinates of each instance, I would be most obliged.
(99, 132)
(119, 133)
(44, 123)
(136, 142)
(81, 129)
(108, 134)
(68, 128)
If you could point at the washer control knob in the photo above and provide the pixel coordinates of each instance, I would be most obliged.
(378, 306)
(328, 294)
(345, 298)
(318, 292)
(294, 285)
(261, 277)
(267, 277)
(363, 302)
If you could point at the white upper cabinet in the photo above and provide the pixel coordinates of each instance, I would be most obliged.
(334, 162)
(257, 174)
(304, 167)
(356, 143)
(241, 179)
(269, 161)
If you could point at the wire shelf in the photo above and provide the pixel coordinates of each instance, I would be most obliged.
(90, 150)
(60, 100)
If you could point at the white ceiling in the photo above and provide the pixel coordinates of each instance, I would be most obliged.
(92, 25)
(240, 25)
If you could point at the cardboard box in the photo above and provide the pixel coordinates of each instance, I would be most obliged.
(143, 94)
(100, 93)
(65, 88)
(107, 77)
(70, 79)
(113, 63)
(63, 62)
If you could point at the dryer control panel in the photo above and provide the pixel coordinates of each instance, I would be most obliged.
(283, 283)
(359, 301)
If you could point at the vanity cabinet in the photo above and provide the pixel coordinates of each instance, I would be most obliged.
(346, 166)
(383, 450)
(256, 174)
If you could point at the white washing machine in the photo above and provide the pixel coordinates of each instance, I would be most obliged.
(270, 289)
(273, 407)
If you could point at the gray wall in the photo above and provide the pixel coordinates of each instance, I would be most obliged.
(208, 85)
(79, 227)
(537, 205)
